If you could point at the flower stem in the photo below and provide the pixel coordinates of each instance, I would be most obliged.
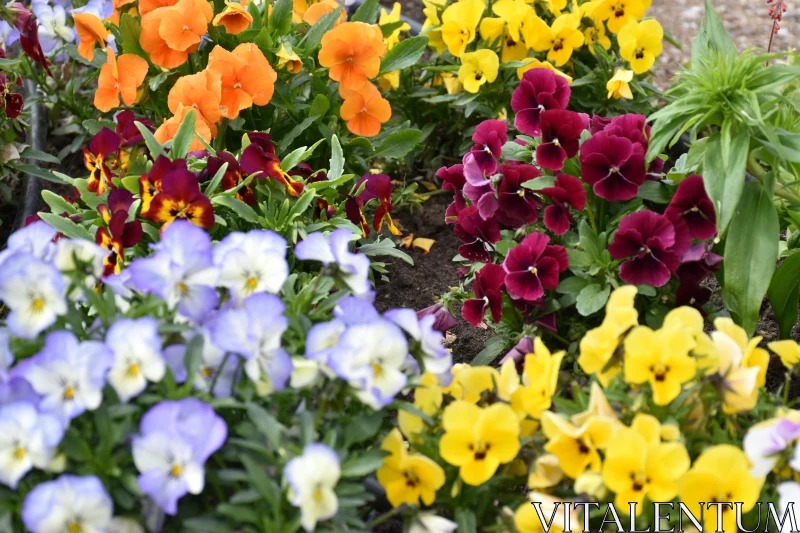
(383, 518)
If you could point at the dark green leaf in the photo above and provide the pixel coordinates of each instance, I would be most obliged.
(265, 423)
(399, 143)
(363, 464)
(784, 293)
(724, 179)
(238, 207)
(281, 18)
(592, 298)
(66, 226)
(337, 159)
(654, 191)
(131, 29)
(183, 137)
(538, 184)
(320, 28)
(367, 12)
(404, 54)
(193, 357)
(493, 348)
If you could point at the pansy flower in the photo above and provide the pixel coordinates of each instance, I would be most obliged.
(561, 133)
(169, 128)
(251, 262)
(697, 263)
(489, 138)
(180, 198)
(234, 17)
(516, 205)
(613, 166)
(640, 44)
(533, 266)
(68, 503)
(453, 180)
(33, 291)
(364, 110)
(201, 92)
(28, 439)
(652, 245)
(692, 204)
(460, 23)
(119, 79)
(488, 291)
(312, 479)
(560, 39)
(408, 478)
(126, 128)
(95, 157)
(334, 249)
(91, 33)
(539, 89)
(246, 75)
(185, 24)
(233, 175)
(150, 183)
(379, 187)
(259, 158)
(352, 51)
(478, 68)
(567, 191)
(477, 234)
(120, 233)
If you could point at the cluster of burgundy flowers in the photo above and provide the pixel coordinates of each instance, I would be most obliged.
(491, 195)
(24, 21)
(10, 101)
(655, 247)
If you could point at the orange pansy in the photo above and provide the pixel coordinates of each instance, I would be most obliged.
(161, 53)
(365, 110)
(118, 4)
(353, 52)
(184, 24)
(201, 91)
(247, 78)
(91, 32)
(119, 78)
(316, 11)
(169, 128)
(146, 6)
(234, 17)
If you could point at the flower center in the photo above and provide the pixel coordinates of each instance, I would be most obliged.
(660, 372)
(185, 27)
(614, 170)
(74, 527)
(183, 288)
(478, 74)
(639, 53)
(251, 283)
(480, 450)
(532, 270)
(317, 495)
(377, 369)
(694, 209)
(556, 142)
(19, 453)
(541, 108)
(583, 449)
(521, 193)
(176, 470)
(132, 371)
(69, 392)
(37, 305)
(411, 478)
(557, 44)
(206, 371)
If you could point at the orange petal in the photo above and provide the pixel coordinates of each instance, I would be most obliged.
(407, 240)
(423, 244)
(132, 72)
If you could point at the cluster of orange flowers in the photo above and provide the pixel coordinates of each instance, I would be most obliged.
(353, 51)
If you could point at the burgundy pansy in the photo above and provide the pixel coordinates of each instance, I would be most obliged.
(512, 204)
(561, 133)
(613, 166)
(489, 138)
(539, 90)
(120, 234)
(13, 104)
(233, 176)
(25, 23)
(533, 266)
(453, 178)
(150, 183)
(694, 296)
(126, 128)
(379, 187)
(477, 234)
(697, 263)
(259, 158)
(693, 205)
(488, 287)
(653, 246)
(567, 191)
(95, 157)
(631, 126)
(353, 210)
(599, 123)
(443, 320)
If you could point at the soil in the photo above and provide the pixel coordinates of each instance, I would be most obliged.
(432, 274)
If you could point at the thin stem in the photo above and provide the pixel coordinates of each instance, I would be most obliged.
(383, 518)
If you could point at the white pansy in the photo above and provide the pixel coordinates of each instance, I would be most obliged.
(137, 356)
(312, 479)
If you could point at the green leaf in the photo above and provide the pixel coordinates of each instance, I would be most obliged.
(404, 54)
(286, 140)
(57, 204)
(66, 226)
(39, 172)
(465, 518)
(215, 181)
(784, 293)
(588, 239)
(319, 106)
(337, 160)
(367, 12)
(38, 155)
(257, 474)
(193, 358)
(280, 21)
(150, 141)
(292, 158)
(183, 137)
(572, 285)
(388, 29)
(131, 29)
(320, 28)
(516, 152)
(363, 428)
(265, 423)
(718, 37)
(206, 525)
(386, 247)
(538, 184)
(399, 143)
(363, 464)
(654, 191)
(493, 348)
(724, 179)
(592, 298)
(751, 250)
(238, 207)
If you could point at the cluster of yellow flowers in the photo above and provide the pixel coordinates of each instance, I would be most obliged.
(489, 417)
(515, 29)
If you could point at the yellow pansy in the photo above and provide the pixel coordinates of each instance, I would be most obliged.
(556, 6)
(526, 520)
(478, 440)
(532, 28)
(788, 351)
(390, 18)
(648, 427)
(428, 399)
(752, 355)
(432, 20)
(561, 39)
(470, 382)
(634, 468)
(619, 85)
(738, 384)
(640, 44)
(289, 60)
(597, 347)
(408, 478)
(720, 474)
(591, 484)
(459, 24)
(390, 81)
(539, 380)
(546, 472)
(670, 432)
(618, 13)
(660, 358)
(451, 82)
(577, 447)
(535, 63)
(493, 28)
(690, 319)
(598, 406)
(477, 68)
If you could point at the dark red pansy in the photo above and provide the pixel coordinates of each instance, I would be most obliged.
(443, 320)
(693, 205)
(453, 180)
(353, 207)
(477, 234)
(697, 263)
(379, 187)
(613, 166)
(488, 289)
(516, 205)
(259, 158)
(102, 145)
(181, 198)
(567, 191)
(561, 133)
(119, 234)
(126, 128)
(533, 266)
(694, 296)
(14, 103)
(599, 123)
(489, 138)
(631, 126)
(25, 23)
(233, 176)
(653, 246)
(539, 90)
